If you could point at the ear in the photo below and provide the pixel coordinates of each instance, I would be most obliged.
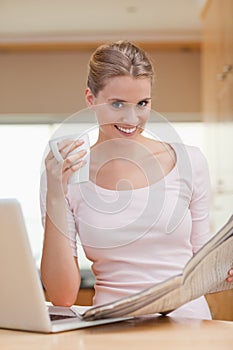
(90, 98)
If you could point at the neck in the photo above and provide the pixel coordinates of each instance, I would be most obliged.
(106, 150)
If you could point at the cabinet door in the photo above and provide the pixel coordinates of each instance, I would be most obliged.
(211, 57)
(218, 105)
(221, 305)
(224, 140)
(227, 32)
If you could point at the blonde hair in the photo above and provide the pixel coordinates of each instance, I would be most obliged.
(121, 58)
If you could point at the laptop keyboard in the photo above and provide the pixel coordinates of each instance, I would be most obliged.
(61, 313)
(60, 317)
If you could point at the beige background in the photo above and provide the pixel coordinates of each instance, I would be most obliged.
(54, 82)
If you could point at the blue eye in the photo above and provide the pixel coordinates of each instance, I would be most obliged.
(117, 104)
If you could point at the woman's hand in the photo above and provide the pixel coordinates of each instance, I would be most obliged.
(58, 173)
(230, 275)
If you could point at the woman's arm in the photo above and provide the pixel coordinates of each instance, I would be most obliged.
(200, 204)
(59, 268)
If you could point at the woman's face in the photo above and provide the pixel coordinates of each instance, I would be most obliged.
(122, 107)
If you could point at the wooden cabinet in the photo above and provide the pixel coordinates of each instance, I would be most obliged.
(217, 90)
(217, 59)
(85, 296)
(221, 305)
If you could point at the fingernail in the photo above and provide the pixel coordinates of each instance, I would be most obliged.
(78, 142)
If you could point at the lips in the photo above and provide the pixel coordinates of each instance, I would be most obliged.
(126, 130)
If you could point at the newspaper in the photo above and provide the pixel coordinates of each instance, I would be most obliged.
(204, 273)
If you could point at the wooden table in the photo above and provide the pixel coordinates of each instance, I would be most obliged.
(138, 334)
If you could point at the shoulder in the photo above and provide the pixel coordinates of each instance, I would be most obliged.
(192, 166)
(199, 172)
(192, 155)
(195, 153)
(198, 161)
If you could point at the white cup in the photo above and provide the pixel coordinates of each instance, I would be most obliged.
(82, 174)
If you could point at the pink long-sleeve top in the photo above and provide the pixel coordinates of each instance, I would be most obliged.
(139, 237)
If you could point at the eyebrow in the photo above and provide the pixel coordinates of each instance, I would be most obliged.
(121, 100)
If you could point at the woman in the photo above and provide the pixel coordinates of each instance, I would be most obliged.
(144, 212)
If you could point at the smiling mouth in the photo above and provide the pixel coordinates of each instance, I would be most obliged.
(128, 131)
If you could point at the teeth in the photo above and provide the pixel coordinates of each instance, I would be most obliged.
(127, 131)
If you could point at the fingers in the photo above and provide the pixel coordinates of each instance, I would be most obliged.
(69, 146)
(71, 169)
(73, 160)
(230, 276)
(65, 147)
(68, 165)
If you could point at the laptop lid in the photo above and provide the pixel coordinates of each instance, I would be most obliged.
(22, 301)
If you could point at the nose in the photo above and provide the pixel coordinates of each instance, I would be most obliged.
(130, 115)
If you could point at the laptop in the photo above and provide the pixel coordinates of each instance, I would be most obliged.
(22, 301)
